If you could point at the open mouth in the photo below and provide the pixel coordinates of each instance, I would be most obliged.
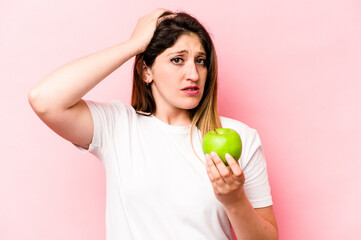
(191, 90)
(195, 88)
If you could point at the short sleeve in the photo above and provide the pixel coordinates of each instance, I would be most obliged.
(256, 185)
(104, 119)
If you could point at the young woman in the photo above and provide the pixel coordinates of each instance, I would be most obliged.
(158, 184)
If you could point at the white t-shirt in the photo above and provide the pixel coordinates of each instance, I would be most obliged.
(156, 187)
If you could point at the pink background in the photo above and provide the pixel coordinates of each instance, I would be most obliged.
(290, 69)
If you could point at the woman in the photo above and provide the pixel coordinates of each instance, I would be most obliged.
(157, 186)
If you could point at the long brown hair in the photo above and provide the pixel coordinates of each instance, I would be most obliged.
(205, 116)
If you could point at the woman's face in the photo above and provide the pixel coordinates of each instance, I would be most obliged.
(178, 75)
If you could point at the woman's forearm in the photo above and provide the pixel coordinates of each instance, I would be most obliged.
(248, 224)
(66, 85)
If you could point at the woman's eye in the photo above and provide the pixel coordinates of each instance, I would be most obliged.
(201, 61)
(177, 60)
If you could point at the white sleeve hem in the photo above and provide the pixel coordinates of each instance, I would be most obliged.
(89, 150)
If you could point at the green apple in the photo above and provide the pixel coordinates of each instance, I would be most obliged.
(222, 141)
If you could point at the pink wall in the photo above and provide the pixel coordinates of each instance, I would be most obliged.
(291, 69)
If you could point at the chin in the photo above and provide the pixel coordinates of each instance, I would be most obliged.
(191, 106)
(187, 103)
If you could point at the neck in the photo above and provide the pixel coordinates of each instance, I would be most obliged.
(177, 118)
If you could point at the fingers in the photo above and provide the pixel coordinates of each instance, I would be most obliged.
(235, 168)
(144, 30)
(162, 18)
(156, 13)
(220, 173)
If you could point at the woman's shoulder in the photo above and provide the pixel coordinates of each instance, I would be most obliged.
(245, 131)
(114, 106)
(235, 124)
(249, 136)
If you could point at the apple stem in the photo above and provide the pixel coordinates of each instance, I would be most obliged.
(215, 131)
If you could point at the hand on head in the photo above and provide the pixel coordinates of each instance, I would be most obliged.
(146, 26)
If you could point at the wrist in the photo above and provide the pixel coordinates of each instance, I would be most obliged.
(241, 202)
(135, 47)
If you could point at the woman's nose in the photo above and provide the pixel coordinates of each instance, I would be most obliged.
(192, 72)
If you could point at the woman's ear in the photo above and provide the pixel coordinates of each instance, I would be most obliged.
(147, 74)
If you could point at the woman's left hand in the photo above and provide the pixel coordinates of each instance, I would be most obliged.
(228, 181)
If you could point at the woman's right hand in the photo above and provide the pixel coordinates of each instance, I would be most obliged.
(67, 114)
(145, 28)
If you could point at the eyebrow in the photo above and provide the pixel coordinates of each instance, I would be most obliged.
(185, 51)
